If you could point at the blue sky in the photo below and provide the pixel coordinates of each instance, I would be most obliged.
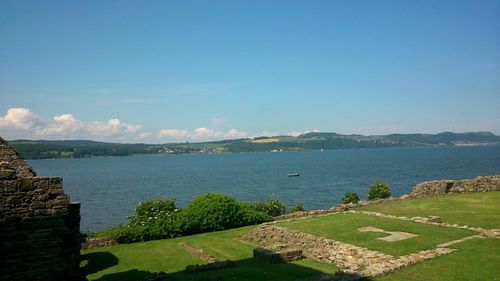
(159, 71)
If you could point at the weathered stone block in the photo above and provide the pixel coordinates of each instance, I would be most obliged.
(26, 184)
(55, 183)
(42, 212)
(38, 205)
(13, 200)
(59, 211)
(57, 203)
(42, 183)
(9, 186)
(7, 174)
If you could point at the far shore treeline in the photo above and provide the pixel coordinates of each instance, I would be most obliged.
(45, 149)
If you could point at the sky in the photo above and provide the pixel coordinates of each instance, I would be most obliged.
(187, 70)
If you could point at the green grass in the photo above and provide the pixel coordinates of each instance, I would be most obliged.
(477, 259)
(133, 261)
(343, 227)
(137, 260)
(474, 209)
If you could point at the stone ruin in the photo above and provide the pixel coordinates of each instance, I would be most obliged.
(39, 226)
(442, 187)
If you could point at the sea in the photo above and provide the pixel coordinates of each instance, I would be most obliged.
(109, 188)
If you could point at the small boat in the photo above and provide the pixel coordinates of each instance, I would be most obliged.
(293, 174)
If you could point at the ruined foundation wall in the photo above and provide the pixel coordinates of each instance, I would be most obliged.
(441, 187)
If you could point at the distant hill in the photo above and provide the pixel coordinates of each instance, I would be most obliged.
(39, 149)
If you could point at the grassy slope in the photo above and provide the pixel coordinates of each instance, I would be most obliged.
(474, 260)
(475, 209)
(130, 262)
(343, 227)
(477, 259)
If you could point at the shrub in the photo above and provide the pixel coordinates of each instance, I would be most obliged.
(271, 207)
(209, 212)
(125, 234)
(378, 190)
(153, 212)
(153, 219)
(298, 207)
(350, 197)
(249, 215)
(160, 219)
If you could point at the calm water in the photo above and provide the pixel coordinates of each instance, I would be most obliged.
(110, 188)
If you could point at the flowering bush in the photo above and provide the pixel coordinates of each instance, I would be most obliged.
(160, 219)
(271, 207)
(378, 190)
(298, 207)
(350, 197)
(151, 211)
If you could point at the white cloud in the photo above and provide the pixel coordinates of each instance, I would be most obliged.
(19, 118)
(173, 133)
(22, 123)
(233, 133)
(200, 134)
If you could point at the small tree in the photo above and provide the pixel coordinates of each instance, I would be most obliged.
(272, 207)
(350, 197)
(298, 207)
(378, 190)
(210, 212)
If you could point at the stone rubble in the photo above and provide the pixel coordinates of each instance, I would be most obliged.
(441, 187)
(366, 262)
(98, 242)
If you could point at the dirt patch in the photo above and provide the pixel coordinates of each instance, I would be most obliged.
(393, 235)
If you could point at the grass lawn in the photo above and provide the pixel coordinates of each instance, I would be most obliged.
(475, 209)
(343, 227)
(477, 259)
(133, 261)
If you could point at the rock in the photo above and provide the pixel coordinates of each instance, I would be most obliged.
(441, 187)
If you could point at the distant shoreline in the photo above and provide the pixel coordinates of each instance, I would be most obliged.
(250, 152)
(53, 149)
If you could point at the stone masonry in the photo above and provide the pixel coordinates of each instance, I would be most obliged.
(39, 227)
(441, 187)
(355, 259)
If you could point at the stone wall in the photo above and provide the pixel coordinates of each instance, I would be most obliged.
(441, 187)
(39, 227)
(10, 160)
(352, 258)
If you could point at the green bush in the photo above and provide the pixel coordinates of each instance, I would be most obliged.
(153, 219)
(210, 212)
(125, 234)
(298, 207)
(249, 215)
(160, 219)
(271, 207)
(154, 211)
(378, 190)
(350, 197)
